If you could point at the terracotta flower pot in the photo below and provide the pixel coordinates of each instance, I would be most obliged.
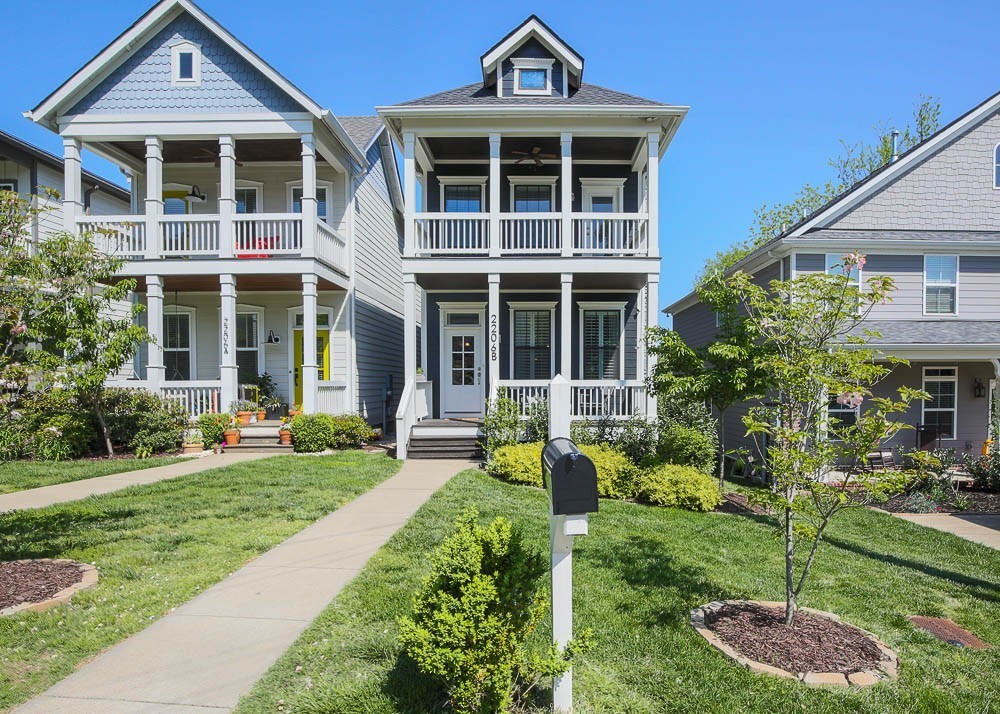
(261, 414)
(285, 436)
(294, 412)
(232, 436)
(243, 418)
(193, 448)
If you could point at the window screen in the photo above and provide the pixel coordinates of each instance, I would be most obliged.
(463, 199)
(532, 199)
(941, 284)
(532, 344)
(601, 333)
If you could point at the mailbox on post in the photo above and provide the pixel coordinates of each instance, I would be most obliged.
(570, 478)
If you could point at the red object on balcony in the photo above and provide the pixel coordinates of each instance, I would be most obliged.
(263, 243)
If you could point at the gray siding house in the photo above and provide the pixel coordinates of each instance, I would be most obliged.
(930, 219)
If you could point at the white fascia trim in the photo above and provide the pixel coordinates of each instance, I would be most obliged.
(460, 110)
(532, 27)
(463, 180)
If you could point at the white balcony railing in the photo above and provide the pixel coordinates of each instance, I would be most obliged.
(331, 246)
(263, 235)
(525, 393)
(610, 234)
(331, 398)
(198, 396)
(537, 234)
(122, 236)
(452, 233)
(183, 235)
(615, 400)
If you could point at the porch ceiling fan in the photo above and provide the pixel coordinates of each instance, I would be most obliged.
(535, 155)
(214, 155)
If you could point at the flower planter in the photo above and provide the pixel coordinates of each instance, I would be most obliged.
(285, 437)
(243, 418)
(294, 413)
(232, 436)
(261, 415)
(193, 448)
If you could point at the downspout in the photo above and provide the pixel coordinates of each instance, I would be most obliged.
(990, 428)
(86, 198)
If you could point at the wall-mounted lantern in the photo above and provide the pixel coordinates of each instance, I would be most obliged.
(978, 388)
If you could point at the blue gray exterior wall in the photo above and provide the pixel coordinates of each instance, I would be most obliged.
(533, 49)
(142, 84)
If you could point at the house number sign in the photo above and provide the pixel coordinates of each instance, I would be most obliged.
(494, 339)
(225, 336)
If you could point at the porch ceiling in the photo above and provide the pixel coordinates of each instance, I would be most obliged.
(207, 150)
(245, 283)
(585, 148)
(531, 281)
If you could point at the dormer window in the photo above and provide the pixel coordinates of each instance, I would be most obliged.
(185, 64)
(532, 76)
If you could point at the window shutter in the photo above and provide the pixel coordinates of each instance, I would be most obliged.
(532, 348)
(601, 330)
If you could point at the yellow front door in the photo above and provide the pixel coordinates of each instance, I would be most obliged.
(322, 359)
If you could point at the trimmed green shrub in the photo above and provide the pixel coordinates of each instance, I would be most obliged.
(15, 436)
(143, 422)
(517, 463)
(62, 437)
(312, 432)
(679, 486)
(687, 446)
(473, 614)
(536, 425)
(617, 476)
(635, 437)
(986, 470)
(212, 426)
(502, 423)
(350, 431)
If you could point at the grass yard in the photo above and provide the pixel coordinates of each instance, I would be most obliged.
(157, 546)
(22, 475)
(637, 576)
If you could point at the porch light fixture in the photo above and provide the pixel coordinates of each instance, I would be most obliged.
(195, 196)
(978, 388)
(272, 339)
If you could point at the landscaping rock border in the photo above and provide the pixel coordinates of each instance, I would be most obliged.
(888, 669)
(88, 579)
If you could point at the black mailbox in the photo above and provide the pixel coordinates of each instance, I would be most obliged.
(570, 478)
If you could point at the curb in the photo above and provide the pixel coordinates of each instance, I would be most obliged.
(87, 581)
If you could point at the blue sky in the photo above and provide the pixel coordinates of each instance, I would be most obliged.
(772, 87)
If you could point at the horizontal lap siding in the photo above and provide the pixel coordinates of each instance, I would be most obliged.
(534, 49)
(979, 287)
(907, 273)
(696, 325)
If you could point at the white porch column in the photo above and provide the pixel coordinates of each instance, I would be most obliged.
(72, 204)
(566, 198)
(227, 348)
(155, 371)
(410, 327)
(154, 195)
(310, 370)
(653, 169)
(652, 320)
(494, 185)
(566, 325)
(309, 210)
(409, 192)
(227, 196)
(423, 330)
(493, 336)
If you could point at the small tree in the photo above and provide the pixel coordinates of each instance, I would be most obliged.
(723, 372)
(817, 352)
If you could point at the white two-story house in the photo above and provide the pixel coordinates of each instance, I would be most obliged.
(531, 239)
(264, 231)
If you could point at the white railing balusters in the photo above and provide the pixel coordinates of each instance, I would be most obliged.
(452, 233)
(122, 236)
(262, 235)
(331, 246)
(537, 234)
(610, 234)
(617, 400)
(525, 392)
(183, 235)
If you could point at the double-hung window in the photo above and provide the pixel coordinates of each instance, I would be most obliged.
(844, 414)
(532, 199)
(835, 266)
(601, 337)
(532, 345)
(940, 284)
(940, 411)
(463, 199)
(246, 200)
(321, 201)
(247, 346)
(8, 185)
(178, 360)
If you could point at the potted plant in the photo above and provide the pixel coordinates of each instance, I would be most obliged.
(273, 406)
(243, 408)
(285, 431)
(232, 433)
(194, 443)
(294, 410)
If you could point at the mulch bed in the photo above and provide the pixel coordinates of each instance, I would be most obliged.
(979, 502)
(35, 580)
(948, 631)
(738, 503)
(811, 644)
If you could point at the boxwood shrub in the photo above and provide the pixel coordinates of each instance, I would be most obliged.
(312, 432)
(522, 463)
(350, 431)
(679, 486)
(518, 463)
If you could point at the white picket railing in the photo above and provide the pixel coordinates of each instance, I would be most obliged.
(262, 235)
(331, 247)
(198, 396)
(415, 403)
(122, 236)
(183, 235)
(525, 393)
(535, 234)
(610, 234)
(452, 233)
(331, 398)
(616, 400)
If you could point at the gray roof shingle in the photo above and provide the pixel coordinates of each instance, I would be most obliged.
(930, 236)
(361, 129)
(476, 94)
(933, 332)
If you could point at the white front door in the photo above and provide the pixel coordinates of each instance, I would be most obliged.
(462, 387)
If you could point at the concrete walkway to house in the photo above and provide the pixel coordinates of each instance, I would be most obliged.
(209, 652)
(978, 527)
(74, 490)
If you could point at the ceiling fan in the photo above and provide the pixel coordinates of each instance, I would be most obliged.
(535, 155)
(214, 155)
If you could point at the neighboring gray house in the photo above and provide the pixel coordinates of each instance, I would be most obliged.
(264, 232)
(533, 250)
(931, 220)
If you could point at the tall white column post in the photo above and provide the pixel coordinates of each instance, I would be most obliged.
(154, 195)
(566, 326)
(423, 330)
(409, 193)
(228, 373)
(410, 327)
(653, 172)
(566, 141)
(494, 186)
(155, 370)
(72, 204)
(227, 196)
(493, 336)
(310, 369)
(652, 320)
(309, 210)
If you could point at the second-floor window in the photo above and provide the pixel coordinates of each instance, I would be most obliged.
(463, 198)
(246, 200)
(321, 201)
(941, 284)
(532, 199)
(185, 60)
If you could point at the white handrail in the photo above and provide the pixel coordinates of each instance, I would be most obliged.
(123, 235)
(331, 246)
(455, 233)
(610, 233)
(261, 235)
(530, 233)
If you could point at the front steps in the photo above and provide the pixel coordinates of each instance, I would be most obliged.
(260, 438)
(445, 439)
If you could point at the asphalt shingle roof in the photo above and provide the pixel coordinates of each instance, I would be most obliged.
(361, 129)
(862, 235)
(476, 94)
(933, 332)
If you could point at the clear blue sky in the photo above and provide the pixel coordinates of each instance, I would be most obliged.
(772, 87)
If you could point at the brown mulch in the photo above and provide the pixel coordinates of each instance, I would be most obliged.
(979, 502)
(812, 644)
(35, 580)
(738, 503)
(948, 631)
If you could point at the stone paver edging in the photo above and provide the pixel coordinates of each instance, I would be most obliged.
(888, 669)
(88, 580)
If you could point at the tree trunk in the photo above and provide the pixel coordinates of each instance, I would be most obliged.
(722, 450)
(104, 429)
(789, 568)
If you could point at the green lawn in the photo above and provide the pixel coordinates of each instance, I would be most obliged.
(637, 576)
(157, 546)
(21, 475)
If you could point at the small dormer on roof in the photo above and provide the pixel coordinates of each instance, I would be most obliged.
(532, 60)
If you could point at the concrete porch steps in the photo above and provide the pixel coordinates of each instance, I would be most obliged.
(445, 439)
(260, 438)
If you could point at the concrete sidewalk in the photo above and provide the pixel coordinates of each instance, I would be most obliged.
(209, 652)
(61, 492)
(981, 528)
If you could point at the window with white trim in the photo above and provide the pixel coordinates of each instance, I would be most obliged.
(8, 185)
(941, 284)
(246, 200)
(835, 266)
(844, 414)
(602, 331)
(178, 359)
(462, 194)
(532, 356)
(941, 410)
(185, 62)
(247, 346)
(532, 75)
(321, 201)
